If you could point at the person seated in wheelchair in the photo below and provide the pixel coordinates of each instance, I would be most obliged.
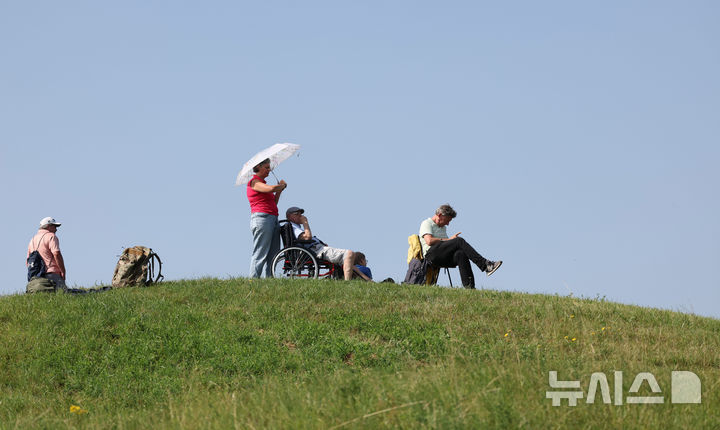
(301, 228)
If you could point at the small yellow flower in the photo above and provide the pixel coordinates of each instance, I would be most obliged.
(603, 329)
(74, 409)
(566, 337)
(574, 339)
(572, 316)
(507, 334)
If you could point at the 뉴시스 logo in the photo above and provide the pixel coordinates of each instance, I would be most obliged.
(685, 388)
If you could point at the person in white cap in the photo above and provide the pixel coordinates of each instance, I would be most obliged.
(46, 243)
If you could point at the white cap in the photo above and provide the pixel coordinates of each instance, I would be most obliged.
(48, 220)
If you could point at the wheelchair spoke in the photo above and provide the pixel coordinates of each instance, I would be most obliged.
(294, 262)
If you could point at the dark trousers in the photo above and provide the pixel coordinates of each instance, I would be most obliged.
(457, 253)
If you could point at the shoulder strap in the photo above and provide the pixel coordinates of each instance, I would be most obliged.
(151, 269)
(40, 241)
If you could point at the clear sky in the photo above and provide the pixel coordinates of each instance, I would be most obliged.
(578, 141)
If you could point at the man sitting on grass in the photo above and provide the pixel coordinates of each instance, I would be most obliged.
(46, 243)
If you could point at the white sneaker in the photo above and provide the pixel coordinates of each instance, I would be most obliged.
(492, 266)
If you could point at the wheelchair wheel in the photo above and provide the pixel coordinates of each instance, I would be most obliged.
(295, 262)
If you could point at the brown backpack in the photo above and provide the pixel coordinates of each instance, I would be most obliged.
(136, 267)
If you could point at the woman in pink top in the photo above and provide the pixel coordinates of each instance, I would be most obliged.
(264, 224)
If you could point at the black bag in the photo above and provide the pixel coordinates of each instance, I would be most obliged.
(35, 264)
(417, 271)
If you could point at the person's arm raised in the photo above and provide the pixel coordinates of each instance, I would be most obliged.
(265, 188)
(307, 234)
(278, 192)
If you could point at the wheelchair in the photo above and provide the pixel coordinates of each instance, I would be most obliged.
(295, 261)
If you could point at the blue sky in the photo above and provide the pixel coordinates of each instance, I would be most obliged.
(578, 141)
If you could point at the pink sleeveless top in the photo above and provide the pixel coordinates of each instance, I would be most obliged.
(261, 202)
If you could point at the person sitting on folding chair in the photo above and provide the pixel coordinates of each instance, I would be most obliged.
(443, 251)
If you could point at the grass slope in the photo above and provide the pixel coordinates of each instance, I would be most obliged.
(323, 354)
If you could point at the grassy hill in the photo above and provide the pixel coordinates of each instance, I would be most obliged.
(324, 354)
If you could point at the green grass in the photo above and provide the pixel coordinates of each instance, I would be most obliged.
(321, 354)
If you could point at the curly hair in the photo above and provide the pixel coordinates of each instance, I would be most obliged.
(446, 210)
